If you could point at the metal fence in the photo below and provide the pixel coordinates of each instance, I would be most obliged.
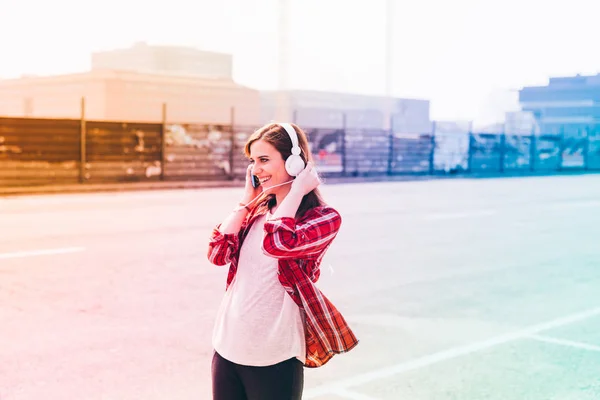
(63, 151)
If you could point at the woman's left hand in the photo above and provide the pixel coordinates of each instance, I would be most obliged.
(307, 180)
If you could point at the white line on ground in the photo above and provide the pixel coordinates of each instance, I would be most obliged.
(460, 215)
(43, 252)
(352, 395)
(567, 343)
(445, 355)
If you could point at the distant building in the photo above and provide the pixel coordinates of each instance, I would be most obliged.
(174, 60)
(130, 96)
(334, 110)
(569, 105)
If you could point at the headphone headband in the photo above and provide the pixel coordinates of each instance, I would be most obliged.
(293, 136)
(294, 163)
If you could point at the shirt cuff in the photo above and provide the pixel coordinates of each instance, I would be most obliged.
(218, 236)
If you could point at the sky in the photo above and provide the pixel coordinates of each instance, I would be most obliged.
(468, 57)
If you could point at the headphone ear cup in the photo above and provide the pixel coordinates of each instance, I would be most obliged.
(294, 165)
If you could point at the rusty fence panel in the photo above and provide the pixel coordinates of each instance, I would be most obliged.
(486, 153)
(39, 151)
(547, 153)
(328, 149)
(122, 152)
(367, 152)
(411, 153)
(593, 152)
(198, 151)
(239, 160)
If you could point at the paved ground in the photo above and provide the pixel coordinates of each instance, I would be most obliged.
(458, 289)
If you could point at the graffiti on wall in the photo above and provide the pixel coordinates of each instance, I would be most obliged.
(203, 145)
(326, 147)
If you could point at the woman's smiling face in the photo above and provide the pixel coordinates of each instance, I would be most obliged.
(268, 164)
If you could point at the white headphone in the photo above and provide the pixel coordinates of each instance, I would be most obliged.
(294, 163)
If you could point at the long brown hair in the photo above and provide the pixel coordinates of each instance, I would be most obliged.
(275, 135)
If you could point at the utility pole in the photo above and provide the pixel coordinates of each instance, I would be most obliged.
(389, 49)
(282, 106)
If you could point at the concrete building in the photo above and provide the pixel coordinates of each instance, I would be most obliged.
(130, 96)
(174, 60)
(569, 105)
(132, 84)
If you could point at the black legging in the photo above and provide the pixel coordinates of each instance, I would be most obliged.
(283, 381)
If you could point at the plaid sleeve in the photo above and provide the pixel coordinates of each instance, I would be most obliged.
(221, 246)
(288, 238)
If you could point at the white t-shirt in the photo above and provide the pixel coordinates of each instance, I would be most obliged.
(258, 323)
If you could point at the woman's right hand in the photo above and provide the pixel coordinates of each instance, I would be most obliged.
(250, 192)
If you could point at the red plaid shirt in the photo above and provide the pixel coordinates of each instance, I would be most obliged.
(299, 245)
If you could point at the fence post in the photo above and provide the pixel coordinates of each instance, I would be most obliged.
(232, 144)
(586, 150)
(391, 146)
(502, 151)
(532, 152)
(470, 153)
(561, 149)
(432, 150)
(163, 141)
(82, 143)
(343, 144)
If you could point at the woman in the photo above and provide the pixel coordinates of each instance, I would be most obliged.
(273, 320)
